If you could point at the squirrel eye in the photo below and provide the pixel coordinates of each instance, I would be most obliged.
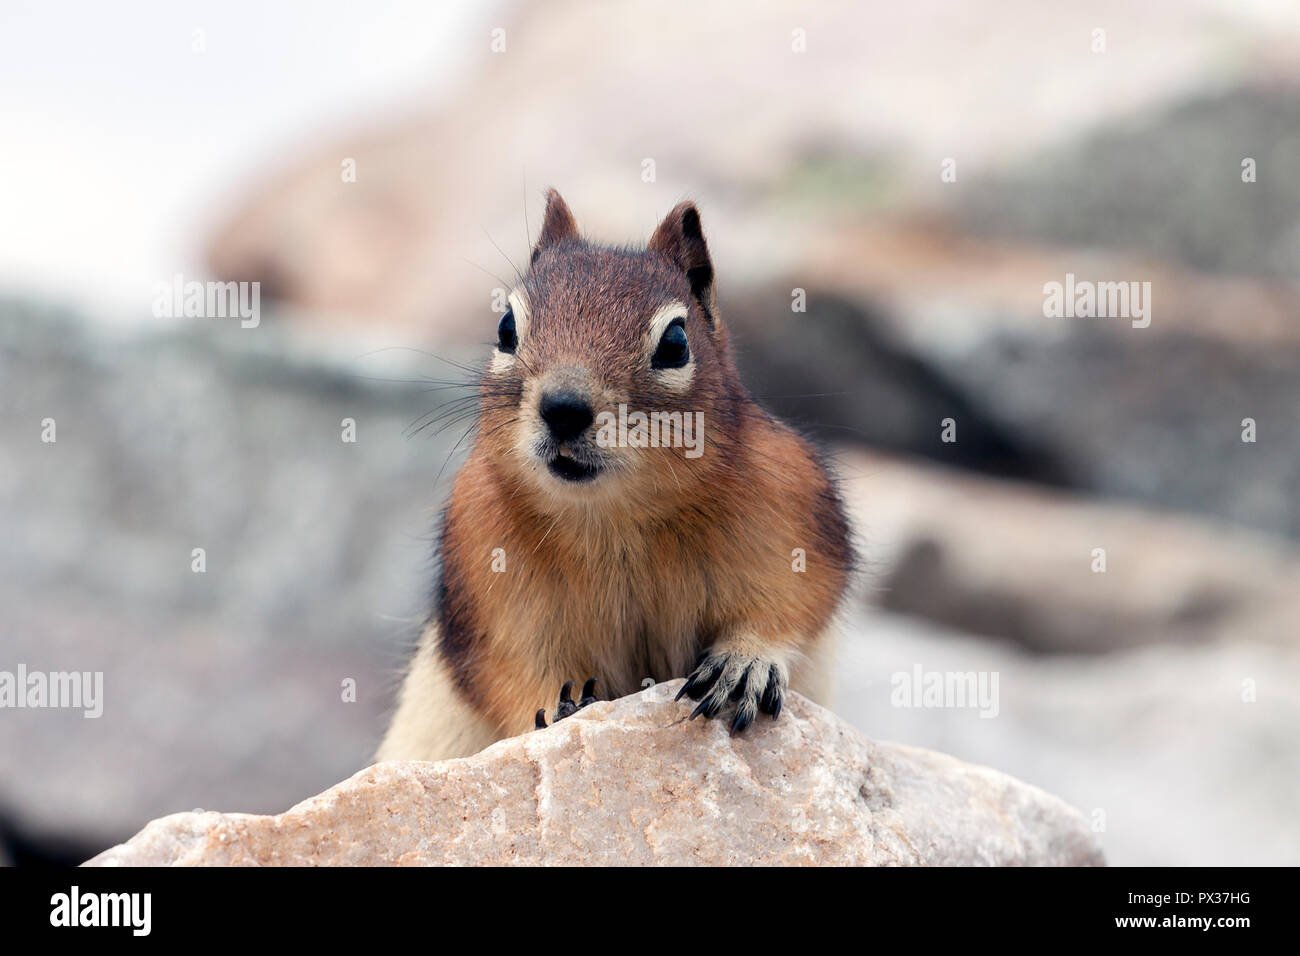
(673, 351)
(507, 339)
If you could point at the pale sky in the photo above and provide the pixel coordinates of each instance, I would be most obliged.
(120, 146)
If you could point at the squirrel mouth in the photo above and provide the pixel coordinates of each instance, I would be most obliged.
(570, 469)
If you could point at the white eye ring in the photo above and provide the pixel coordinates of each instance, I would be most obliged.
(519, 306)
(676, 379)
(660, 320)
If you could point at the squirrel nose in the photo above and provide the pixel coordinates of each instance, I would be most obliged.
(566, 414)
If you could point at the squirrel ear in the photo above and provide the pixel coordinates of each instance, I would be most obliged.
(558, 223)
(680, 238)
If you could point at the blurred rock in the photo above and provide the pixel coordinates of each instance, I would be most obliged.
(1154, 415)
(631, 782)
(1151, 414)
(223, 688)
(1017, 562)
(1164, 184)
(841, 375)
(951, 296)
(1177, 754)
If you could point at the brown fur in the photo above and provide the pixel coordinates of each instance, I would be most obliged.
(662, 557)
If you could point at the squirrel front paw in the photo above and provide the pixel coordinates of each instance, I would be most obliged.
(566, 707)
(752, 683)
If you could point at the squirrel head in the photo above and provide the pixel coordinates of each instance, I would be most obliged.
(612, 374)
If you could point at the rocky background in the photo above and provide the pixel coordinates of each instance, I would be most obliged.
(1158, 697)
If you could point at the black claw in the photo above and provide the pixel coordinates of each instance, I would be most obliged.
(588, 693)
(744, 717)
(709, 707)
(770, 703)
(685, 688)
(566, 707)
(739, 690)
(702, 682)
(539, 719)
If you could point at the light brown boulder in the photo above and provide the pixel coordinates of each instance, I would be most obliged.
(631, 782)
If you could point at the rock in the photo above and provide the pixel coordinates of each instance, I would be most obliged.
(911, 324)
(1168, 181)
(842, 374)
(1151, 743)
(628, 781)
(1016, 562)
(225, 688)
(1154, 414)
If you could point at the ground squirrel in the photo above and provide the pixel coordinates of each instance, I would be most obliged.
(627, 511)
